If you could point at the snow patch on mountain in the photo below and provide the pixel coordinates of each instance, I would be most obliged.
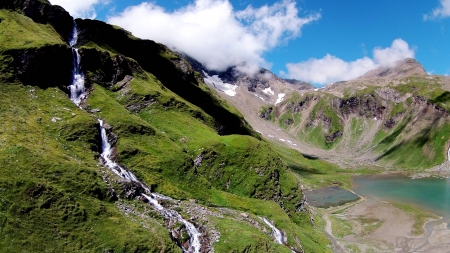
(268, 91)
(280, 98)
(216, 82)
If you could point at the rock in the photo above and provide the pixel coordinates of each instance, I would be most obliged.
(332, 137)
(55, 119)
(47, 66)
(131, 190)
(390, 123)
(244, 215)
(198, 161)
(102, 68)
(289, 122)
(266, 114)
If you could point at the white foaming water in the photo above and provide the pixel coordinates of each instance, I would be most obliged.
(277, 234)
(77, 88)
(106, 153)
(195, 244)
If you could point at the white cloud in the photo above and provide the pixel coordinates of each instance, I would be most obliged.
(442, 11)
(331, 69)
(80, 8)
(215, 34)
(399, 50)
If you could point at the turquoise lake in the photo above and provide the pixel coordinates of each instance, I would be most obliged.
(432, 194)
(330, 196)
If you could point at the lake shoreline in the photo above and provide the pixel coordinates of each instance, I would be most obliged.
(394, 233)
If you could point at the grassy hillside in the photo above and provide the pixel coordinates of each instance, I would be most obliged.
(56, 196)
(403, 124)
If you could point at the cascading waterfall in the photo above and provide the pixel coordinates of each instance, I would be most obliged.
(171, 215)
(277, 234)
(77, 90)
(77, 94)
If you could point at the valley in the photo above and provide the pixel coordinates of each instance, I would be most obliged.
(111, 143)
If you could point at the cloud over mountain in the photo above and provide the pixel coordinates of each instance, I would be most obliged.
(331, 69)
(80, 8)
(214, 33)
(442, 11)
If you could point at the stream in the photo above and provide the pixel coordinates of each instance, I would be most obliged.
(77, 94)
(76, 88)
(170, 215)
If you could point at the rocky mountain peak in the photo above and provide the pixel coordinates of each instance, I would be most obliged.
(401, 69)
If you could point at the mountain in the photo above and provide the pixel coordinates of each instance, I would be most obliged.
(110, 143)
(401, 69)
(393, 116)
(263, 85)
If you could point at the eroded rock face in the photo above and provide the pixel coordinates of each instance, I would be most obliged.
(366, 106)
(108, 70)
(47, 66)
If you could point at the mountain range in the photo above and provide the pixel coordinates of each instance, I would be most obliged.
(159, 154)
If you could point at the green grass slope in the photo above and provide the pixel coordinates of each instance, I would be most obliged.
(55, 196)
(403, 124)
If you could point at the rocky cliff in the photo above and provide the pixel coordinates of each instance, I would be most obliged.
(394, 115)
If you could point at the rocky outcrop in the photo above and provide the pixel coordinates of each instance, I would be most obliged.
(47, 66)
(266, 113)
(131, 190)
(332, 137)
(108, 70)
(368, 106)
(300, 106)
(41, 11)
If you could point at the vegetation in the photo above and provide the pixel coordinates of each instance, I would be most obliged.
(20, 32)
(421, 217)
(52, 196)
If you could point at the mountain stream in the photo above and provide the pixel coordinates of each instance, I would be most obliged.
(77, 90)
(77, 94)
(170, 215)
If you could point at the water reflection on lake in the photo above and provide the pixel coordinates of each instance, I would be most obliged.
(330, 196)
(431, 193)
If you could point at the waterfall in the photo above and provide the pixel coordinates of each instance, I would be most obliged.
(76, 88)
(171, 215)
(277, 234)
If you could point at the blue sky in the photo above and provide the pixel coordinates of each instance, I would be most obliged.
(319, 41)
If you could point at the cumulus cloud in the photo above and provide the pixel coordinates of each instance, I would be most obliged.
(80, 8)
(212, 32)
(442, 11)
(331, 69)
